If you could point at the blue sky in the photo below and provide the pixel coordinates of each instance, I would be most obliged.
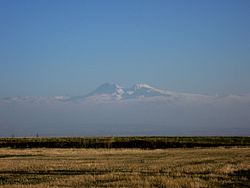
(70, 47)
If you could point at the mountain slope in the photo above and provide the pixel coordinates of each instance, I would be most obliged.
(138, 92)
(114, 110)
(115, 92)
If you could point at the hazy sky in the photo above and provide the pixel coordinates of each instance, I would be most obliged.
(58, 47)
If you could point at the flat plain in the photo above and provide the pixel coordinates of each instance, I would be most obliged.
(121, 167)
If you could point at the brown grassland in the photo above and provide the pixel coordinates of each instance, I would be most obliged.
(179, 167)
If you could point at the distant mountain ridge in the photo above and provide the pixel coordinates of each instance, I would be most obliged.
(136, 91)
(114, 92)
(141, 109)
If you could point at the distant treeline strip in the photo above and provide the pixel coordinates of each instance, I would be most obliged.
(124, 142)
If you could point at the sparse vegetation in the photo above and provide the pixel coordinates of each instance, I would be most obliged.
(190, 167)
(124, 142)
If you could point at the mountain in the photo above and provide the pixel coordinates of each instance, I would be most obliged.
(138, 92)
(111, 109)
(109, 91)
(141, 92)
(144, 90)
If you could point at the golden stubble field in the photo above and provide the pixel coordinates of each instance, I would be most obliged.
(196, 167)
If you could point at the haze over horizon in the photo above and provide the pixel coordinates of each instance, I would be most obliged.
(138, 110)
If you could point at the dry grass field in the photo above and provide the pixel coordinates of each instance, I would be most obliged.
(192, 167)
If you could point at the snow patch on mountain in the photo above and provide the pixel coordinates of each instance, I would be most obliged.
(139, 92)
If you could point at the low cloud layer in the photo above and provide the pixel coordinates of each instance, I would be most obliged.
(155, 115)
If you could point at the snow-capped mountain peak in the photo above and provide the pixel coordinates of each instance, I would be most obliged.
(139, 86)
(147, 87)
(142, 91)
(114, 92)
(107, 91)
(107, 88)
